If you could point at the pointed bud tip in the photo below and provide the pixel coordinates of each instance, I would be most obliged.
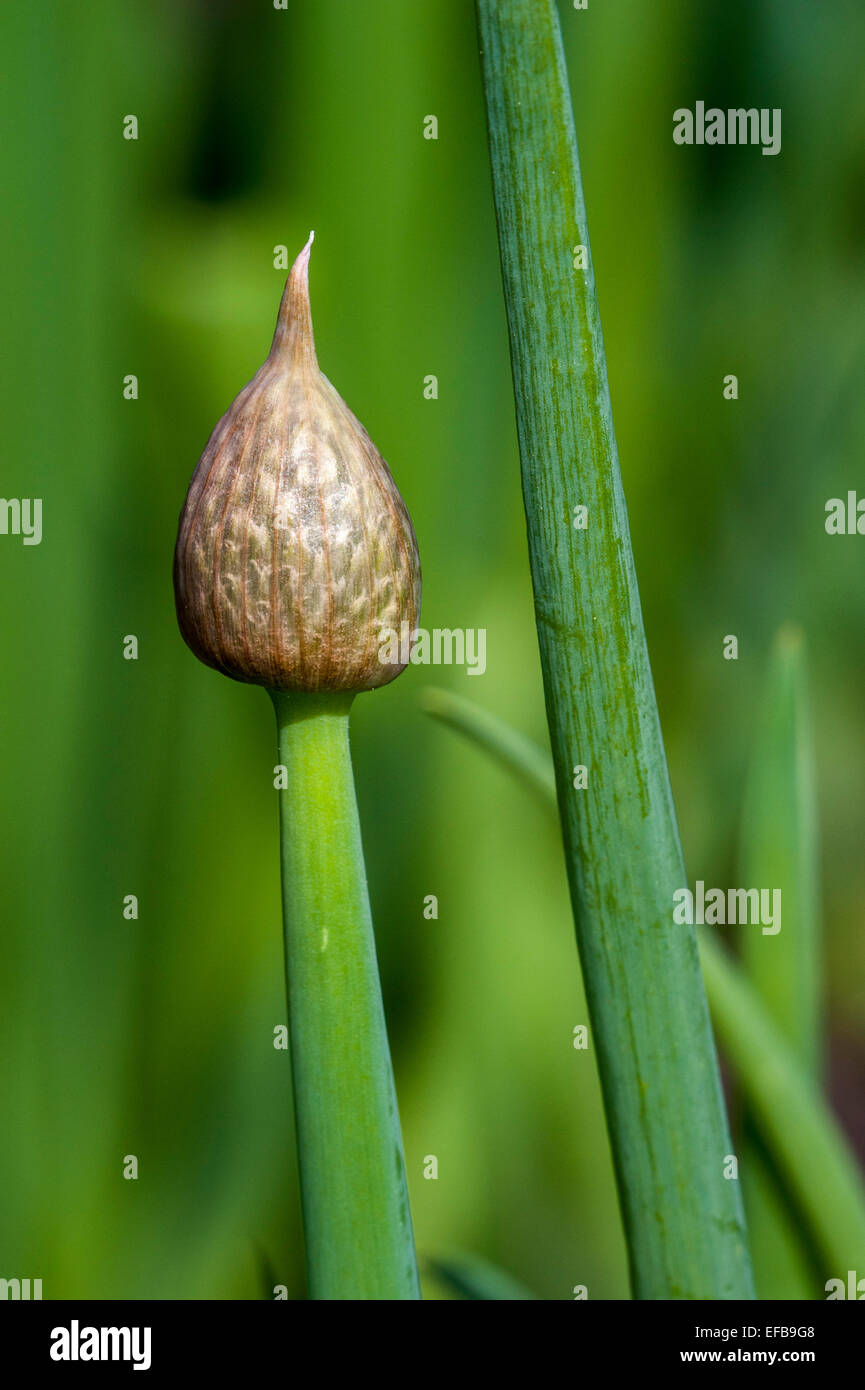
(293, 339)
(301, 264)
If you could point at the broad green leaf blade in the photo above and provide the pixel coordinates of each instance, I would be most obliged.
(779, 851)
(794, 1122)
(683, 1220)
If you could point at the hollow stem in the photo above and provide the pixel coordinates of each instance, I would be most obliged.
(357, 1223)
(683, 1219)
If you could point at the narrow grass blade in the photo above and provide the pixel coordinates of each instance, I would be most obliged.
(474, 1278)
(779, 851)
(794, 1123)
(356, 1217)
(665, 1111)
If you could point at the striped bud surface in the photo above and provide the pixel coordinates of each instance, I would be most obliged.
(295, 548)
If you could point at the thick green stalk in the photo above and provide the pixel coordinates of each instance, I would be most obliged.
(779, 850)
(356, 1214)
(795, 1125)
(665, 1111)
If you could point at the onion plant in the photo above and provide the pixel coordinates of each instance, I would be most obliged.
(294, 549)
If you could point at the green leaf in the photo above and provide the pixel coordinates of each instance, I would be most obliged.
(683, 1220)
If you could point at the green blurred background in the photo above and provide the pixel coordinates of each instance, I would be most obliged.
(154, 777)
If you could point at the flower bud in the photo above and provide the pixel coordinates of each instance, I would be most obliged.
(295, 548)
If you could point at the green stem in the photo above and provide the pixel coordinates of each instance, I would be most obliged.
(356, 1216)
(662, 1096)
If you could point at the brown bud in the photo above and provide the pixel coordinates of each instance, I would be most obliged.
(295, 548)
